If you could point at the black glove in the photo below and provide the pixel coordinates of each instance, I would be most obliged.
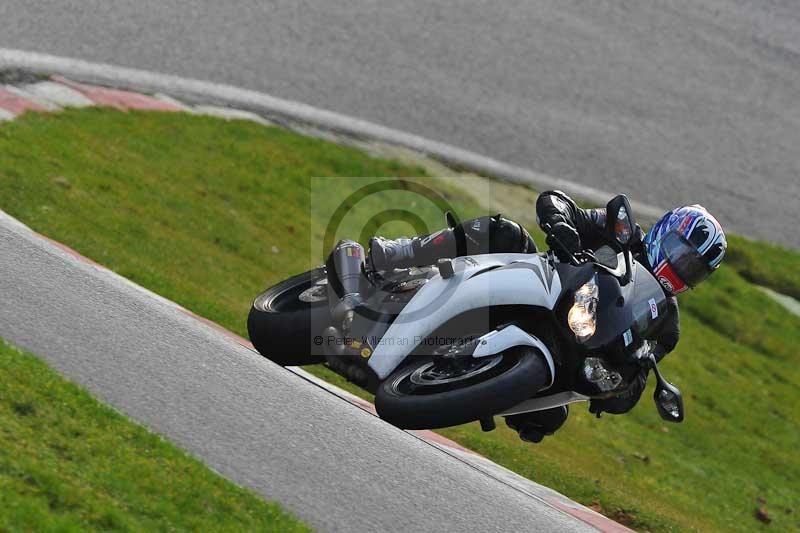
(561, 236)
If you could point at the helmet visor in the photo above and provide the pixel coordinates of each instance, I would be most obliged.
(687, 263)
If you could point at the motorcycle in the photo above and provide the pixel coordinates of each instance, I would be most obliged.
(478, 336)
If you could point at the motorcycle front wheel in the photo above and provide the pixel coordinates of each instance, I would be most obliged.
(434, 392)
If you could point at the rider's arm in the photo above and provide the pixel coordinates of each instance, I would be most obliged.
(554, 210)
(553, 207)
(669, 334)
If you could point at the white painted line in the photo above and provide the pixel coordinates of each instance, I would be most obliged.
(790, 304)
(270, 106)
(50, 93)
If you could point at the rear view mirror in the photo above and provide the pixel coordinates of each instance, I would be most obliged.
(669, 402)
(620, 225)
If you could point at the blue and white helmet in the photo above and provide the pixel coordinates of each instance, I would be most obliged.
(684, 247)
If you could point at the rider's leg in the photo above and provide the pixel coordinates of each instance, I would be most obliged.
(344, 266)
(477, 236)
(533, 427)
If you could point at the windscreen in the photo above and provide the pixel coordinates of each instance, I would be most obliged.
(607, 257)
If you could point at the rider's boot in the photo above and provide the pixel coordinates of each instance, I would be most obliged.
(344, 265)
(387, 254)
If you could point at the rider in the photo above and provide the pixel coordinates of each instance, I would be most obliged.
(681, 250)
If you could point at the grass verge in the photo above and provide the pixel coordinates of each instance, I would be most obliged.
(208, 213)
(70, 463)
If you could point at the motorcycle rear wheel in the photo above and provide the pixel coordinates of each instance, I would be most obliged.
(422, 396)
(284, 319)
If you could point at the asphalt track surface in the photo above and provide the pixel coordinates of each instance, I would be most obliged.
(672, 102)
(336, 466)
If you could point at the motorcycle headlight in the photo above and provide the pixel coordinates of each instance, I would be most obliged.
(582, 317)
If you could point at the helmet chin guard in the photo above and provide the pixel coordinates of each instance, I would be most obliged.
(669, 280)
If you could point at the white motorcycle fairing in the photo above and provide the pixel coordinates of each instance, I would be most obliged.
(502, 339)
(477, 283)
(545, 402)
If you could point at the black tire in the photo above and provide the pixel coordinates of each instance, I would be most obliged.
(282, 327)
(522, 373)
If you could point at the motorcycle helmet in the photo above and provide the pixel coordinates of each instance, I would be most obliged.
(684, 247)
